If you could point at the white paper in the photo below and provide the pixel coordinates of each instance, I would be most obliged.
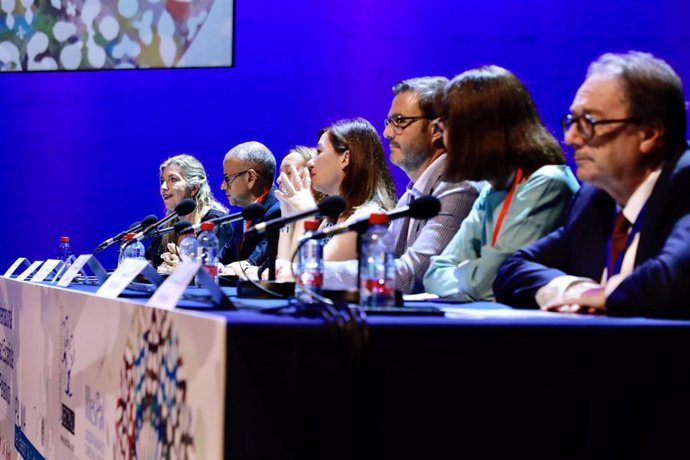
(121, 277)
(46, 270)
(74, 270)
(32, 268)
(15, 265)
(169, 293)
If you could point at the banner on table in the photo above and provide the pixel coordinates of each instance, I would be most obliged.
(87, 377)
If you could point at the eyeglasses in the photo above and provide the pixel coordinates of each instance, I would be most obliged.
(586, 123)
(400, 122)
(228, 178)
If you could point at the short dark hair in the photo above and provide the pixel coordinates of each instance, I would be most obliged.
(367, 177)
(493, 128)
(653, 90)
(430, 91)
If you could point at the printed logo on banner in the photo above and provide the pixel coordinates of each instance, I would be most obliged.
(67, 418)
(152, 411)
(6, 314)
(93, 404)
(7, 358)
(68, 355)
(94, 412)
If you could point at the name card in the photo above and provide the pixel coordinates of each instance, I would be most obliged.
(23, 261)
(169, 293)
(48, 267)
(32, 268)
(78, 267)
(121, 277)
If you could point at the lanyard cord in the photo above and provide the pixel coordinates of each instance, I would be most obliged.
(506, 204)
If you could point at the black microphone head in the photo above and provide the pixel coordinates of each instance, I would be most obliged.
(425, 207)
(253, 211)
(331, 205)
(149, 220)
(181, 226)
(185, 207)
(134, 225)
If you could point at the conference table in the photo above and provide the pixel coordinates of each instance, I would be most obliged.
(87, 377)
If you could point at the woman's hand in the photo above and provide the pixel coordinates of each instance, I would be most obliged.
(242, 269)
(284, 270)
(295, 191)
(170, 259)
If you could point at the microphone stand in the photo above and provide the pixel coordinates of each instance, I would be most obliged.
(272, 253)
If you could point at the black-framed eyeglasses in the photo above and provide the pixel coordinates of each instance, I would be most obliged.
(400, 122)
(585, 123)
(228, 178)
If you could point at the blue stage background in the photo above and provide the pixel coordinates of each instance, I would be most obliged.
(80, 151)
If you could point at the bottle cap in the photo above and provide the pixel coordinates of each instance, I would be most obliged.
(128, 236)
(64, 239)
(378, 218)
(205, 226)
(311, 224)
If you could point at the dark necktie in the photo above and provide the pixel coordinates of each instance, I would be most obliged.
(619, 237)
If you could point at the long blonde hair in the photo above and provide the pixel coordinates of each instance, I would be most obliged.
(194, 174)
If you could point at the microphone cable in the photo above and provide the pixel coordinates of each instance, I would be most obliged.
(259, 286)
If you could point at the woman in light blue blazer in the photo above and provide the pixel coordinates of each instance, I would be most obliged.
(493, 132)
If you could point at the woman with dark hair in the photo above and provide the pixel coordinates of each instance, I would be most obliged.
(349, 162)
(492, 132)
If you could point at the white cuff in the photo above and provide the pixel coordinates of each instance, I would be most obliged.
(556, 288)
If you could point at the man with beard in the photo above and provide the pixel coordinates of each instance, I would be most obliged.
(416, 145)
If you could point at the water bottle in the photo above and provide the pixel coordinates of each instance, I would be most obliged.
(131, 249)
(208, 249)
(309, 265)
(377, 264)
(189, 249)
(65, 251)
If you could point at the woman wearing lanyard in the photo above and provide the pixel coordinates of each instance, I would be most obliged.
(493, 132)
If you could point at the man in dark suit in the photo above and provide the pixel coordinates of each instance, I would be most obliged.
(625, 247)
(248, 172)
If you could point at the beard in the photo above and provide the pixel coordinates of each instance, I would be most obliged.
(410, 159)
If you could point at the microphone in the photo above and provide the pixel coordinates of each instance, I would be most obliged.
(135, 227)
(329, 206)
(424, 207)
(251, 212)
(183, 208)
(179, 228)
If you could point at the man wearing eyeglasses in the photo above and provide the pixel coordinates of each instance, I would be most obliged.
(625, 247)
(416, 146)
(248, 171)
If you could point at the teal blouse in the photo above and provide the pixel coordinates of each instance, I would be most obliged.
(467, 267)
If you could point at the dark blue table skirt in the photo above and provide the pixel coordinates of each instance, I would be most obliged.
(405, 387)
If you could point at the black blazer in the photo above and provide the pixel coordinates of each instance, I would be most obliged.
(224, 233)
(659, 285)
(255, 247)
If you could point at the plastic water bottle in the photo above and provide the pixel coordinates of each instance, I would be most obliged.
(131, 249)
(377, 264)
(189, 249)
(309, 265)
(208, 249)
(65, 251)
